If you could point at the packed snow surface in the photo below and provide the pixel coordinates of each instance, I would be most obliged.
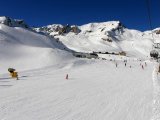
(95, 90)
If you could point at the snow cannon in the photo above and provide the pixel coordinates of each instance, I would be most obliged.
(154, 54)
(13, 73)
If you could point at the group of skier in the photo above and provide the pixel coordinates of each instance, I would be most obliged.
(143, 65)
(125, 64)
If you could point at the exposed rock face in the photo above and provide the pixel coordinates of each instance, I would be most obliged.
(13, 22)
(75, 29)
(158, 32)
(67, 28)
(119, 29)
(58, 29)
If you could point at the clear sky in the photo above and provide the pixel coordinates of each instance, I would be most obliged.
(132, 13)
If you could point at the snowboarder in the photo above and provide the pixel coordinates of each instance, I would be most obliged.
(125, 64)
(67, 77)
(130, 66)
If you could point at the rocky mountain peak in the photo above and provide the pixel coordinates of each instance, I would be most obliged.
(13, 22)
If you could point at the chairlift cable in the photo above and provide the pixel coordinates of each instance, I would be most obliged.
(149, 17)
(154, 53)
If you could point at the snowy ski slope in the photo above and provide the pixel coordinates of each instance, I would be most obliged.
(96, 89)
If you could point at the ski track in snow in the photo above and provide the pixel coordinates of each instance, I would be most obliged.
(94, 91)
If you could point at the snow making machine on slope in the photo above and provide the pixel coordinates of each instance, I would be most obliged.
(155, 53)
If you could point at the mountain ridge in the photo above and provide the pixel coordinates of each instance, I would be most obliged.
(110, 36)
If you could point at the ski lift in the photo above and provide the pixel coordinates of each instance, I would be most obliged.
(156, 46)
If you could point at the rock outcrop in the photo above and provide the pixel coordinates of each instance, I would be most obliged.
(13, 22)
(158, 32)
(58, 29)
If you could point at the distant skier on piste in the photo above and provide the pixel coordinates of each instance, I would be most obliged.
(142, 67)
(145, 64)
(67, 77)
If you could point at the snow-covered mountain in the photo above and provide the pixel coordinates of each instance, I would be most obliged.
(13, 22)
(103, 37)
(24, 49)
(18, 40)
(110, 37)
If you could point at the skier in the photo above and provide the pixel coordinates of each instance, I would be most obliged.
(125, 64)
(116, 65)
(145, 64)
(67, 77)
(142, 67)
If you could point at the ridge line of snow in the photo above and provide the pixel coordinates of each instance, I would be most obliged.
(156, 93)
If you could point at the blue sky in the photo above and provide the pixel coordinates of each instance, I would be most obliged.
(132, 13)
